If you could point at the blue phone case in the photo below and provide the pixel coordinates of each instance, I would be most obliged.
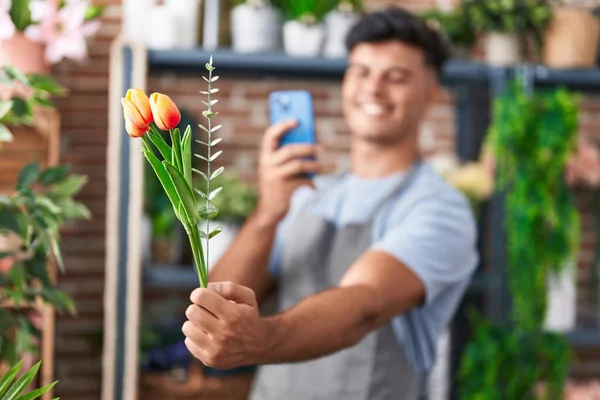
(296, 104)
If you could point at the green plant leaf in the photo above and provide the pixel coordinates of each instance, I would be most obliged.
(176, 159)
(21, 109)
(216, 141)
(208, 212)
(184, 191)
(186, 155)
(157, 139)
(93, 12)
(47, 84)
(5, 107)
(20, 14)
(67, 187)
(14, 73)
(45, 202)
(218, 172)
(6, 380)
(9, 220)
(58, 299)
(72, 209)
(37, 392)
(28, 175)
(22, 383)
(214, 232)
(56, 251)
(5, 134)
(214, 193)
(165, 180)
(216, 155)
(53, 174)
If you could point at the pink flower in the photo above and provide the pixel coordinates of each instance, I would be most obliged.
(7, 27)
(62, 30)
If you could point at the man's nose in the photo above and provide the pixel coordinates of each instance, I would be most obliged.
(374, 86)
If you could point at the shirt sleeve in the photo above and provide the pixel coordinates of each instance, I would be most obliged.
(437, 241)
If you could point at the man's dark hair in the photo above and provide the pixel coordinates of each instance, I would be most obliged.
(395, 23)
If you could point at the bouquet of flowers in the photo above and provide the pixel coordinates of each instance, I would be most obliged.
(145, 117)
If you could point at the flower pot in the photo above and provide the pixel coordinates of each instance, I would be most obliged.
(303, 40)
(562, 300)
(502, 49)
(255, 28)
(186, 14)
(24, 54)
(337, 26)
(572, 39)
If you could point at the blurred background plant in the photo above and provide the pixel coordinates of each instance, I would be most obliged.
(455, 25)
(30, 223)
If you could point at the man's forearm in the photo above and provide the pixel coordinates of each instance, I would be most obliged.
(246, 261)
(321, 324)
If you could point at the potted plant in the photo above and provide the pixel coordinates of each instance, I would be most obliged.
(235, 203)
(455, 26)
(255, 26)
(304, 30)
(572, 38)
(338, 23)
(507, 25)
(17, 389)
(37, 34)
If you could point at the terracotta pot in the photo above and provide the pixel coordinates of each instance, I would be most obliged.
(572, 39)
(24, 54)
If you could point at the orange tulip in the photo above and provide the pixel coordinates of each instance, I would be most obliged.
(135, 131)
(136, 108)
(165, 112)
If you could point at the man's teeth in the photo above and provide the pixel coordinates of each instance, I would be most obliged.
(373, 109)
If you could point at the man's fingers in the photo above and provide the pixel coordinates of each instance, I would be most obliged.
(234, 292)
(197, 335)
(274, 133)
(298, 167)
(201, 318)
(292, 151)
(210, 301)
(196, 350)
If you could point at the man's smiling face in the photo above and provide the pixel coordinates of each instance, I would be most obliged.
(386, 91)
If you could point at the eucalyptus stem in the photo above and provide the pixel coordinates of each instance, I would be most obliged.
(208, 156)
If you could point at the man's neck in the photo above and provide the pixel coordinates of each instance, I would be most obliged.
(371, 160)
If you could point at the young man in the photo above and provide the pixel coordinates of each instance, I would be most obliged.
(369, 265)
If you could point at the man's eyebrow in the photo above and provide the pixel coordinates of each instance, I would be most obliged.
(397, 68)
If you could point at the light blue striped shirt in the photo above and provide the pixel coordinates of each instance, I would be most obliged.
(429, 227)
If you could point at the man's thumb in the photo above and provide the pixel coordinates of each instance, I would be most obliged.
(234, 292)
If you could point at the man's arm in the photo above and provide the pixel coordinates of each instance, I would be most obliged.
(375, 289)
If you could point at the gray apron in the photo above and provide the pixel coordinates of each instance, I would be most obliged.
(318, 255)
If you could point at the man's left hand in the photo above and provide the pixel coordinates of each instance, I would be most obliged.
(224, 329)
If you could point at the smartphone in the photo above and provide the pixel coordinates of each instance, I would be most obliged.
(298, 104)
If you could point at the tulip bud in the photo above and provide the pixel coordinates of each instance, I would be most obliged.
(139, 99)
(132, 114)
(165, 112)
(135, 131)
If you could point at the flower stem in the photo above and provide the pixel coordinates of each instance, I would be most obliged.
(196, 243)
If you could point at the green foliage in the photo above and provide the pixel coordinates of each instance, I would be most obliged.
(510, 16)
(237, 200)
(31, 218)
(307, 11)
(532, 137)
(10, 390)
(19, 110)
(455, 25)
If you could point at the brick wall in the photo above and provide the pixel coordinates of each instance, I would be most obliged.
(244, 115)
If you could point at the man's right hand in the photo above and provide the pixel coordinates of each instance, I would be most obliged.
(281, 170)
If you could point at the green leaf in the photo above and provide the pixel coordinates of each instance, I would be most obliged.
(43, 102)
(5, 107)
(208, 212)
(22, 383)
(59, 299)
(216, 128)
(217, 154)
(201, 193)
(160, 143)
(56, 251)
(53, 174)
(201, 157)
(176, 160)
(216, 141)
(67, 187)
(9, 220)
(20, 14)
(21, 109)
(28, 175)
(37, 268)
(37, 392)
(214, 233)
(217, 173)
(214, 193)
(46, 83)
(7, 379)
(5, 134)
(165, 180)
(45, 202)
(186, 155)
(184, 191)
(93, 12)
(209, 114)
(14, 73)
(72, 209)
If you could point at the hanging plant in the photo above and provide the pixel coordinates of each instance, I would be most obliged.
(531, 137)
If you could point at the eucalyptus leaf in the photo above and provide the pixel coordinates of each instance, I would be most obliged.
(218, 172)
(202, 174)
(214, 232)
(216, 128)
(208, 212)
(216, 141)
(201, 193)
(214, 193)
(217, 154)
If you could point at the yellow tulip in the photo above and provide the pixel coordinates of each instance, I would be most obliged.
(135, 131)
(136, 108)
(165, 112)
